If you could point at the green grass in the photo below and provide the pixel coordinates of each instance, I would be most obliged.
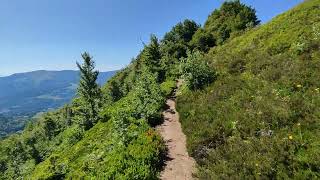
(260, 118)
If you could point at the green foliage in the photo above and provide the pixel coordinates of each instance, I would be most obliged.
(202, 40)
(151, 57)
(167, 87)
(89, 92)
(182, 32)
(196, 71)
(123, 147)
(99, 154)
(259, 119)
(120, 84)
(175, 45)
(233, 16)
(144, 101)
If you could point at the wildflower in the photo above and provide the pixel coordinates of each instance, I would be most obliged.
(290, 137)
(234, 124)
(298, 124)
(317, 89)
(299, 86)
(257, 164)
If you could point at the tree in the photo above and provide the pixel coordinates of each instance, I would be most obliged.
(233, 16)
(152, 53)
(182, 32)
(175, 45)
(151, 56)
(89, 92)
(202, 40)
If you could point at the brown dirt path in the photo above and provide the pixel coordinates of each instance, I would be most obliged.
(179, 165)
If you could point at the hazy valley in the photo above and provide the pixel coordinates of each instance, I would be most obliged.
(24, 95)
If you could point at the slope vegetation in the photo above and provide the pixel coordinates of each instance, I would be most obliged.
(260, 118)
(249, 105)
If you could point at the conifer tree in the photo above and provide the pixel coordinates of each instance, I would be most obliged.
(89, 91)
(151, 57)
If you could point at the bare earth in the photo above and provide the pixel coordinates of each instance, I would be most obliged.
(180, 165)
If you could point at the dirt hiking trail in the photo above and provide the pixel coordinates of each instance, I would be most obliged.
(179, 165)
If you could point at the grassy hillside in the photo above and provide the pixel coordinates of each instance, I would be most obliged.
(249, 105)
(261, 116)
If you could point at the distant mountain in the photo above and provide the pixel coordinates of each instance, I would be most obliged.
(39, 90)
(24, 94)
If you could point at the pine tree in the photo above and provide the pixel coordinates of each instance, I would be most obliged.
(89, 91)
(151, 57)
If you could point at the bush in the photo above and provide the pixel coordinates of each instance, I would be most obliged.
(167, 87)
(196, 71)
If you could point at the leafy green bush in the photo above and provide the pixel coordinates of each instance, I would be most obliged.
(167, 87)
(196, 71)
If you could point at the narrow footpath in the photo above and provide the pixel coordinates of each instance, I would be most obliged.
(179, 165)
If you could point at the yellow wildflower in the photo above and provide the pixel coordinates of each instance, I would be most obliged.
(298, 124)
(290, 137)
(257, 164)
(299, 86)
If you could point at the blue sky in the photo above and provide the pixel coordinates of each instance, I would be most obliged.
(51, 34)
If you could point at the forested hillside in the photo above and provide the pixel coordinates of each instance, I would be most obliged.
(248, 105)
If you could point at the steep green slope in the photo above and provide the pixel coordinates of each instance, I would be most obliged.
(122, 146)
(261, 117)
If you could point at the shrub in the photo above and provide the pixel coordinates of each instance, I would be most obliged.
(196, 71)
(167, 87)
